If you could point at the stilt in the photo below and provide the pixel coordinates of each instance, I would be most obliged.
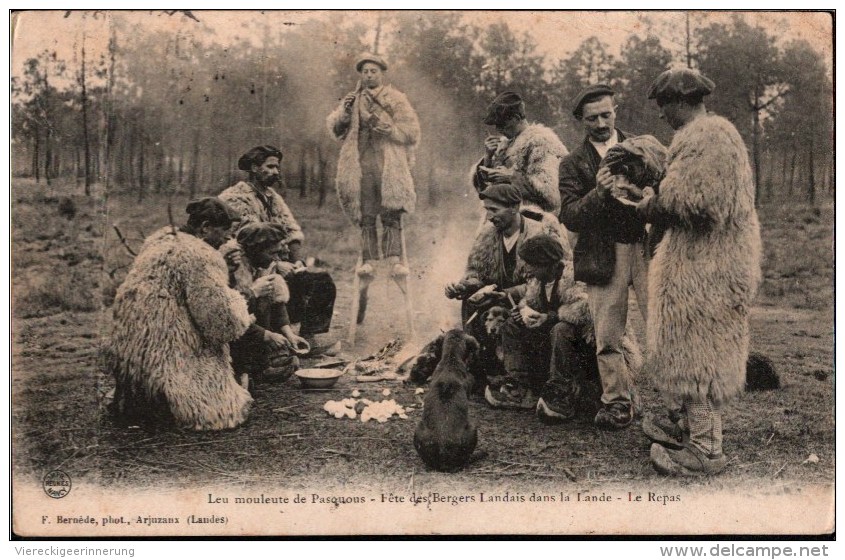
(356, 302)
(404, 285)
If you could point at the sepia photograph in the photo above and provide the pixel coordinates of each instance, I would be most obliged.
(349, 273)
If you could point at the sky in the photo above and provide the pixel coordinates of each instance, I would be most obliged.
(557, 33)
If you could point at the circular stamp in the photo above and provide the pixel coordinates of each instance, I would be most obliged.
(57, 484)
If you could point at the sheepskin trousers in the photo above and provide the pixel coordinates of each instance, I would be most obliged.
(552, 352)
(703, 420)
(609, 308)
(371, 208)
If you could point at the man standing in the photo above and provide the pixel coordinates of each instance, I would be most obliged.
(609, 255)
(525, 154)
(378, 129)
(704, 276)
(312, 292)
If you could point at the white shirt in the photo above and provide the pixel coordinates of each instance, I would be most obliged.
(603, 147)
(549, 290)
(510, 241)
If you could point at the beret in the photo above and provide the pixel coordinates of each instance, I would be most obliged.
(257, 156)
(642, 159)
(370, 57)
(588, 94)
(681, 82)
(541, 250)
(503, 193)
(506, 105)
(259, 234)
(212, 210)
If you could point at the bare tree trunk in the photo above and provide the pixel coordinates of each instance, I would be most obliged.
(85, 142)
(195, 164)
(322, 177)
(755, 151)
(792, 169)
(35, 155)
(811, 186)
(303, 174)
(433, 191)
(141, 185)
(784, 171)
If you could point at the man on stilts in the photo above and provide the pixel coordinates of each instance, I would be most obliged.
(378, 129)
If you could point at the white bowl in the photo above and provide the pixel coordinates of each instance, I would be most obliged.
(316, 378)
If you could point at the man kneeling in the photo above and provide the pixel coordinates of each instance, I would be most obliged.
(548, 340)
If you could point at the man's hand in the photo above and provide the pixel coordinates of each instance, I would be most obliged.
(233, 258)
(271, 286)
(284, 268)
(498, 174)
(455, 290)
(604, 182)
(516, 316)
(276, 342)
(491, 144)
(647, 194)
(299, 344)
(531, 318)
(623, 188)
(348, 101)
(484, 294)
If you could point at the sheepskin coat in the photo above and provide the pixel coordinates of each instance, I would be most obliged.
(174, 316)
(243, 199)
(397, 185)
(706, 270)
(486, 261)
(534, 155)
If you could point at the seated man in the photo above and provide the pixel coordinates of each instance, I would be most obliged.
(174, 317)
(494, 261)
(257, 273)
(312, 291)
(548, 341)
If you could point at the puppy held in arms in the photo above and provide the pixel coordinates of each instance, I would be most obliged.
(446, 437)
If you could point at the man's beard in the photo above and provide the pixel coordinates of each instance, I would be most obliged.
(267, 181)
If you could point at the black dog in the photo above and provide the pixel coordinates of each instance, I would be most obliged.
(446, 437)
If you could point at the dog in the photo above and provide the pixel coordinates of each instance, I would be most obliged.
(445, 438)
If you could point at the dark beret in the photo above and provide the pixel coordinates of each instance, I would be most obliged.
(259, 234)
(505, 106)
(589, 94)
(257, 156)
(503, 193)
(541, 250)
(212, 210)
(370, 57)
(681, 83)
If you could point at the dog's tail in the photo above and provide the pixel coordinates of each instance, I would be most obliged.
(760, 373)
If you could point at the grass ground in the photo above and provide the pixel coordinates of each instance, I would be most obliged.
(65, 270)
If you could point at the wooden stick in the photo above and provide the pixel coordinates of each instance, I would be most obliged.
(123, 241)
(356, 302)
(406, 292)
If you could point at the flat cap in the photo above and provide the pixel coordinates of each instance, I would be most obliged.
(257, 156)
(258, 234)
(506, 105)
(589, 94)
(681, 82)
(370, 57)
(212, 210)
(503, 193)
(541, 250)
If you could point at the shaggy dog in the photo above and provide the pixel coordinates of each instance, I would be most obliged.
(446, 437)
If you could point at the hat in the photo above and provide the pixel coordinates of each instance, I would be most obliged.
(505, 106)
(589, 94)
(259, 234)
(212, 210)
(370, 57)
(257, 156)
(681, 83)
(541, 250)
(642, 159)
(503, 193)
